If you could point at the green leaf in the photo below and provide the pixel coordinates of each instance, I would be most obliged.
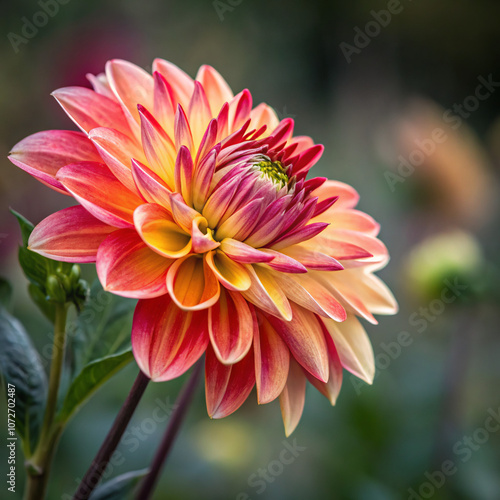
(25, 225)
(5, 292)
(90, 379)
(119, 487)
(20, 366)
(102, 328)
(40, 299)
(35, 266)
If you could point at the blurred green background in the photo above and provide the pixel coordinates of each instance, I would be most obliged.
(373, 110)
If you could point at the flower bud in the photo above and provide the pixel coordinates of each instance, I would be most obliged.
(55, 290)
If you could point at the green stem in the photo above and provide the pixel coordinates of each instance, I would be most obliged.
(38, 466)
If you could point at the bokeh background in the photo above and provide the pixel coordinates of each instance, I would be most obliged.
(373, 109)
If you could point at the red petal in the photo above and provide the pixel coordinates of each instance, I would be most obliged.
(227, 386)
(117, 151)
(70, 235)
(90, 110)
(44, 153)
(192, 284)
(100, 192)
(216, 88)
(166, 340)
(127, 267)
(305, 339)
(131, 86)
(272, 359)
(332, 388)
(231, 327)
(293, 397)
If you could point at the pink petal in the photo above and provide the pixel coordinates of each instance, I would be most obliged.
(90, 110)
(100, 192)
(151, 187)
(70, 235)
(219, 201)
(324, 205)
(232, 275)
(272, 359)
(44, 153)
(183, 215)
(264, 115)
(191, 283)
(307, 159)
(184, 174)
(240, 224)
(305, 339)
(216, 88)
(324, 295)
(199, 113)
(117, 151)
(353, 346)
(100, 85)
(227, 386)
(351, 219)
(202, 241)
(182, 130)
(311, 259)
(131, 86)
(338, 249)
(159, 231)
(369, 243)
(239, 110)
(166, 340)
(348, 196)
(293, 397)
(316, 299)
(266, 294)
(231, 327)
(243, 253)
(181, 83)
(202, 180)
(127, 267)
(363, 292)
(208, 141)
(330, 389)
(281, 133)
(284, 263)
(158, 147)
(164, 108)
(302, 142)
(269, 225)
(299, 235)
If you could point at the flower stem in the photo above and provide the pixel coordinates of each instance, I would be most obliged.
(98, 465)
(38, 465)
(181, 406)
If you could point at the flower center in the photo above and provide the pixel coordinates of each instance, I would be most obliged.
(273, 171)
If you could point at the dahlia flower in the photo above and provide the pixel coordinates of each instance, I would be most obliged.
(199, 205)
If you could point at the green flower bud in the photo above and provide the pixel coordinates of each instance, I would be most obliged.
(55, 290)
(74, 274)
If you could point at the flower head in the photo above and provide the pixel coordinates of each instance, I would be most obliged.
(198, 204)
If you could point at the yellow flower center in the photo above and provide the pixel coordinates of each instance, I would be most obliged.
(274, 171)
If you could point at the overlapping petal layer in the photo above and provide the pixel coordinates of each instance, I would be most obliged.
(200, 205)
